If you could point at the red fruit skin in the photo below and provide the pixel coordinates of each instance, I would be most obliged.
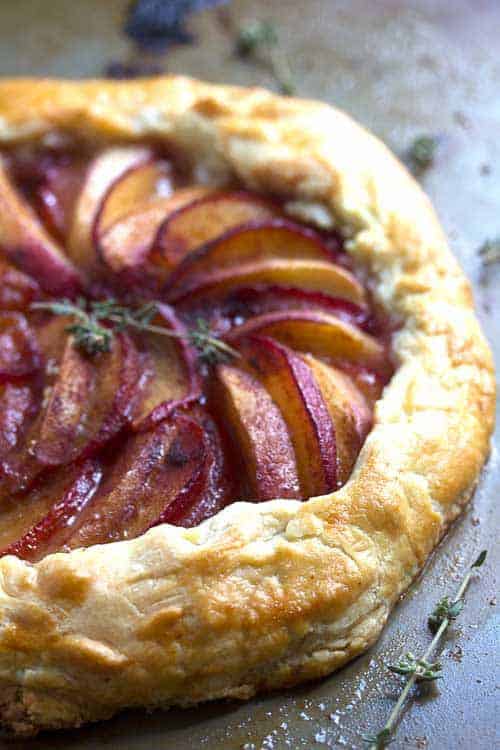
(27, 244)
(56, 195)
(17, 291)
(126, 396)
(216, 483)
(251, 242)
(64, 417)
(154, 469)
(174, 239)
(260, 431)
(19, 353)
(227, 310)
(178, 508)
(101, 173)
(18, 402)
(298, 394)
(166, 316)
(86, 409)
(48, 534)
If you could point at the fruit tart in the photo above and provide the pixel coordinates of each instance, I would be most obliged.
(243, 393)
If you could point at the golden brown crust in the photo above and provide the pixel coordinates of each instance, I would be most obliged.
(260, 595)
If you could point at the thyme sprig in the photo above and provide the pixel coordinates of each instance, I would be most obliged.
(258, 37)
(421, 669)
(96, 322)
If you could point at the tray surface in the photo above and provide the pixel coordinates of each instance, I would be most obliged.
(403, 68)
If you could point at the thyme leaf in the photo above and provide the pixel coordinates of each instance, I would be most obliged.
(258, 37)
(423, 670)
(96, 323)
(489, 251)
(422, 153)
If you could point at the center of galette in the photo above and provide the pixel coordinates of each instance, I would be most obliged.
(166, 349)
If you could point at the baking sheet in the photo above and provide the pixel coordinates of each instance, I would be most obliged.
(402, 68)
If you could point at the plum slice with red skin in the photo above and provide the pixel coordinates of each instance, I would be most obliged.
(101, 174)
(51, 180)
(203, 220)
(127, 249)
(155, 469)
(18, 466)
(56, 195)
(28, 245)
(91, 400)
(260, 432)
(223, 311)
(19, 352)
(87, 402)
(311, 275)
(170, 374)
(18, 404)
(17, 290)
(293, 388)
(318, 333)
(52, 508)
(349, 410)
(141, 185)
(222, 483)
(251, 242)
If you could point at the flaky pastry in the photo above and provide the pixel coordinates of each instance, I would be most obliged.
(260, 595)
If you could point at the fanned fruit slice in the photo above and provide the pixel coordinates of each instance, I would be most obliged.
(170, 373)
(350, 412)
(143, 182)
(319, 333)
(253, 242)
(90, 402)
(56, 194)
(19, 354)
(28, 245)
(223, 310)
(205, 219)
(260, 432)
(127, 245)
(291, 384)
(101, 174)
(311, 275)
(20, 411)
(18, 404)
(17, 290)
(32, 527)
(221, 485)
(158, 473)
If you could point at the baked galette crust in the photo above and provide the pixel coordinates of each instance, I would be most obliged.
(265, 595)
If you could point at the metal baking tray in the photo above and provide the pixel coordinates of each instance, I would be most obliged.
(402, 68)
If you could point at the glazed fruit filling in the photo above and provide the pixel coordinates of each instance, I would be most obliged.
(166, 349)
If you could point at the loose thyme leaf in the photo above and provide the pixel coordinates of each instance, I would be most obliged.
(422, 153)
(258, 36)
(490, 251)
(254, 35)
(480, 559)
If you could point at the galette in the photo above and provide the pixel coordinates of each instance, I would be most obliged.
(243, 393)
